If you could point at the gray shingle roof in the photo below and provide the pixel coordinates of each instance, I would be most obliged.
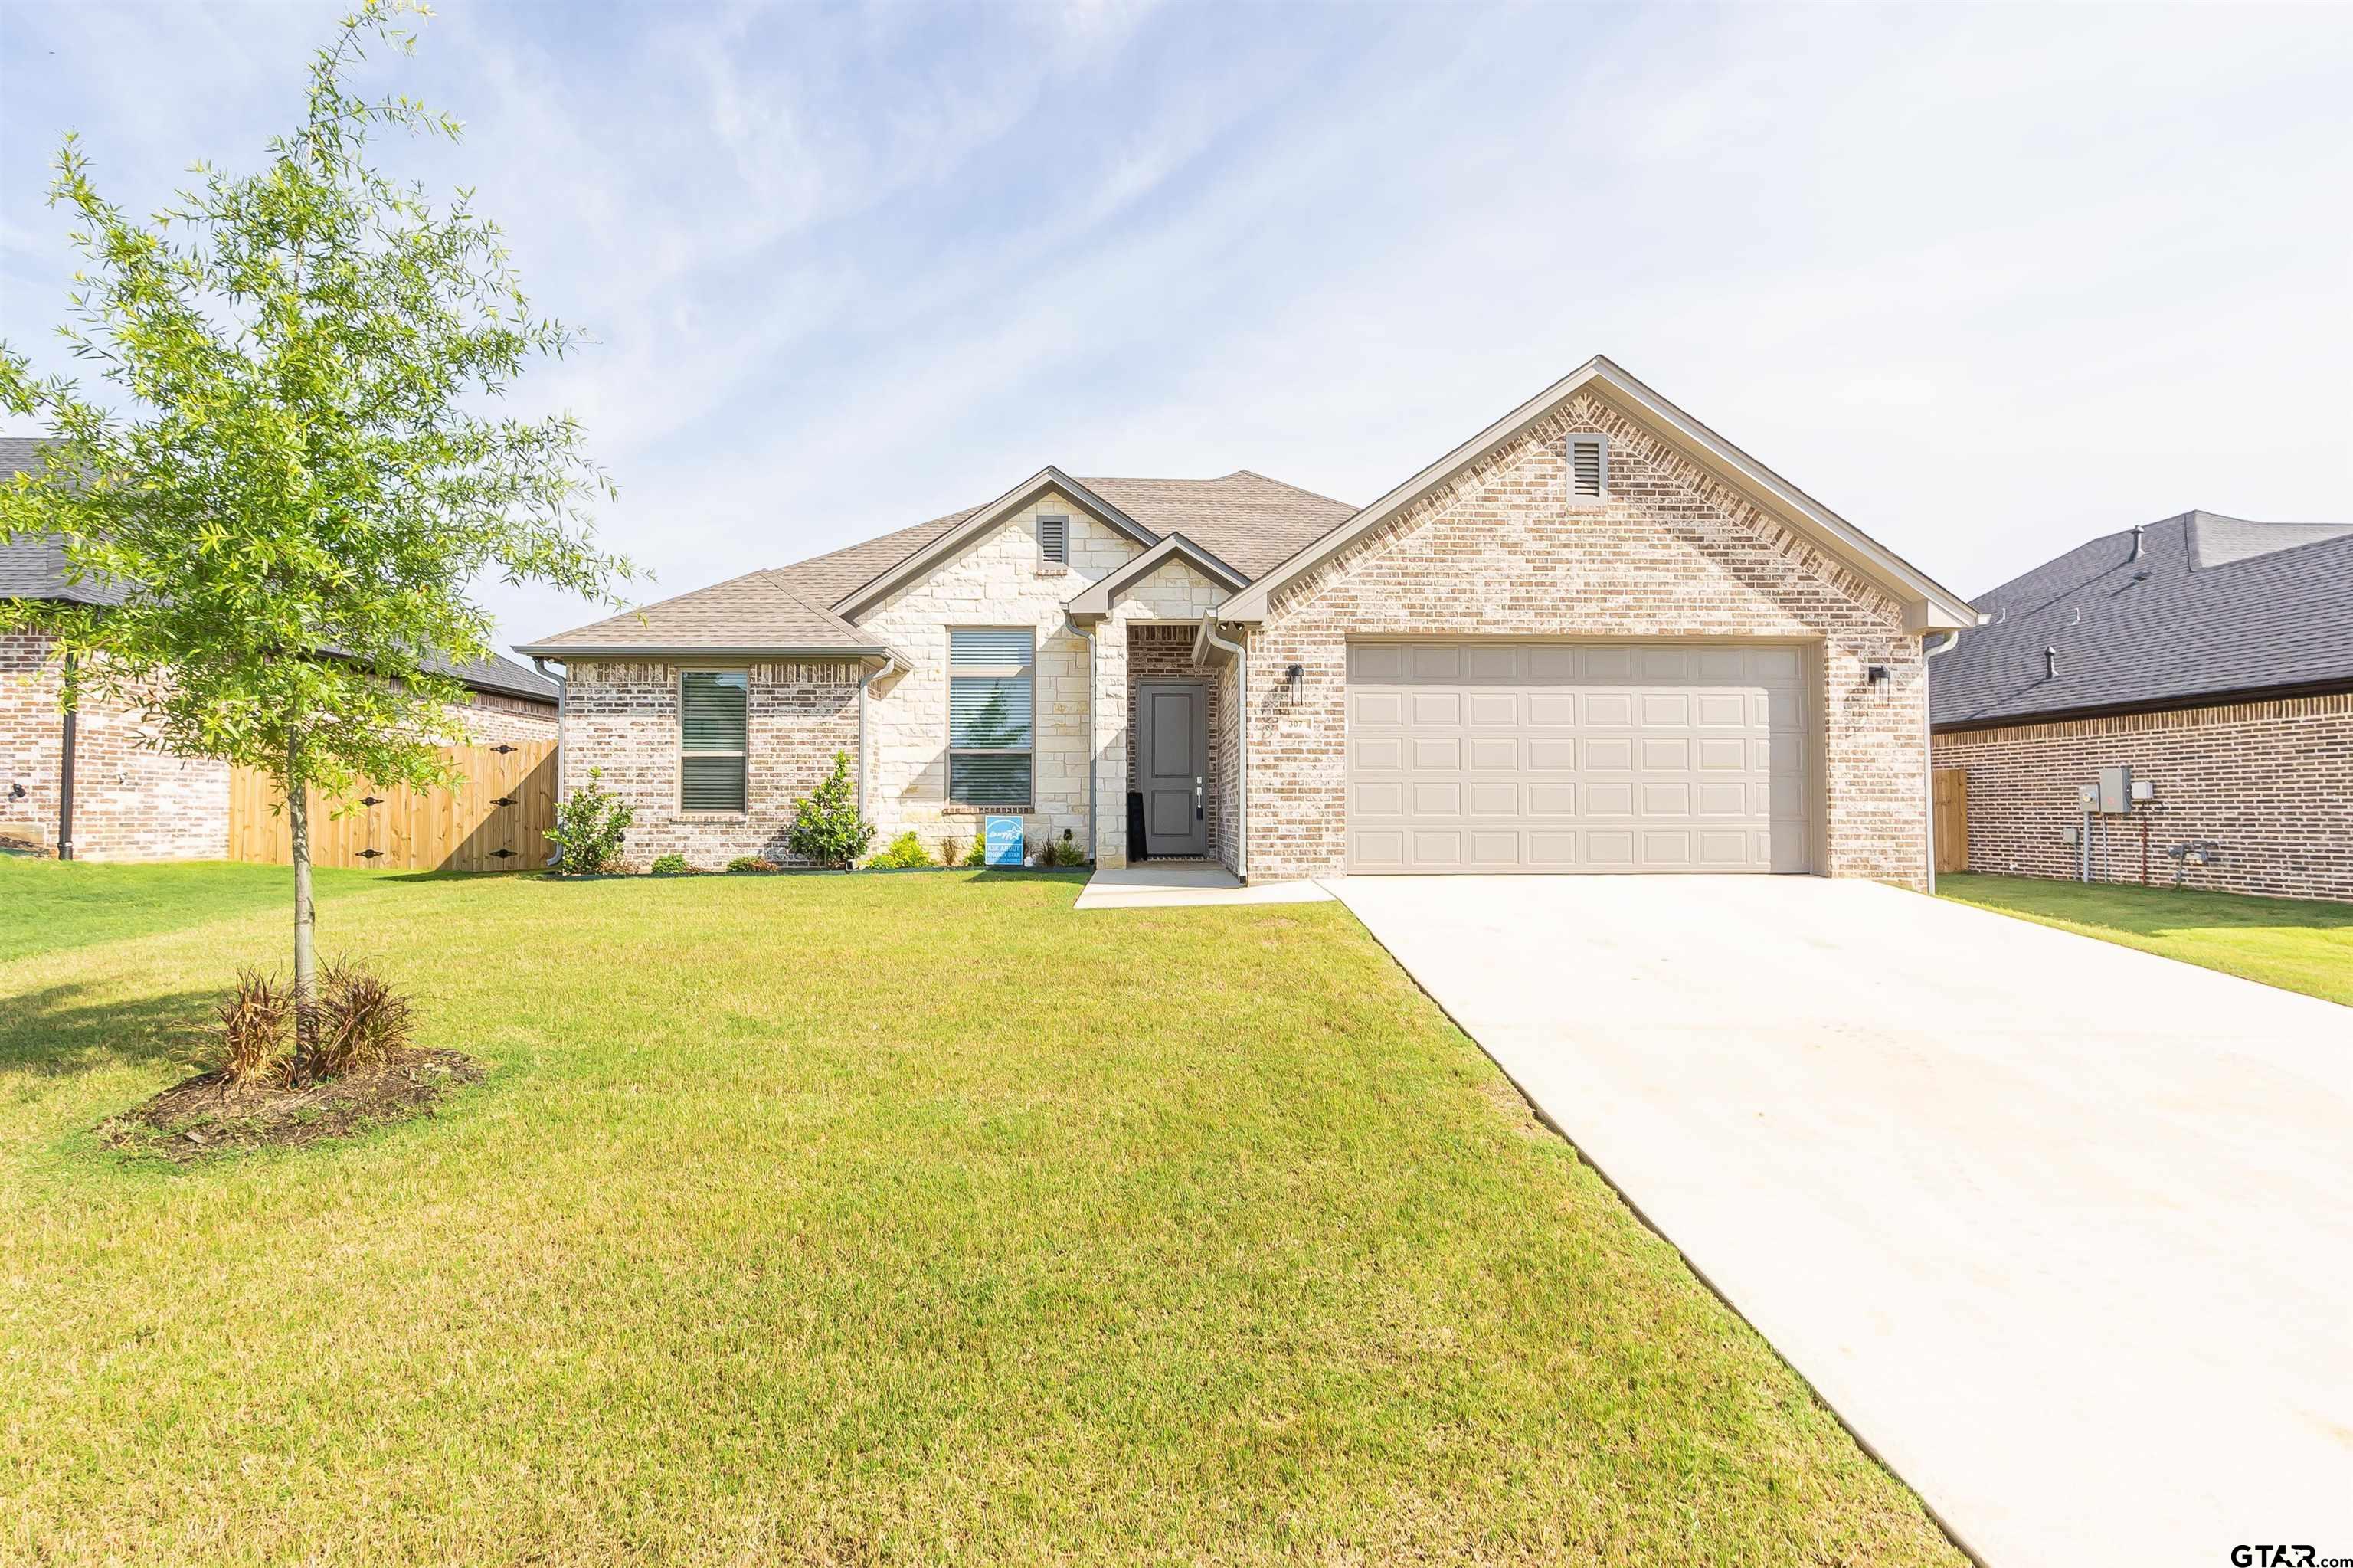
(1247, 520)
(2214, 606)
(35, 569)
(757, 611)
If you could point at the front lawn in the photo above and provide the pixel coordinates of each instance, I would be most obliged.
(47, 905)
(863, 1220)
(2294, 943)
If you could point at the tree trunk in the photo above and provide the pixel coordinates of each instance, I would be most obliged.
(306, 957)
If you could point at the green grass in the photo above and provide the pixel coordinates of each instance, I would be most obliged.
(2294, 943)
(52, 905)
(863, 1220)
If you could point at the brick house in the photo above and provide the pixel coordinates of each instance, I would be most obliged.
(1594, 636)
(93, 784)
(2208, 654)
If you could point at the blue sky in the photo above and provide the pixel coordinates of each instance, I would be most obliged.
(1988, 281)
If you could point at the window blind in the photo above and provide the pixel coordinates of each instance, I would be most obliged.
(989, 645)
(713, 732)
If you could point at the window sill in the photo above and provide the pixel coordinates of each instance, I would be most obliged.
(959, 809)
(684, 816)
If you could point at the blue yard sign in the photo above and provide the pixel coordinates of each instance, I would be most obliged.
(1004, 840)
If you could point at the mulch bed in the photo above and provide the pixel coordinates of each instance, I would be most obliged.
(208, 1114)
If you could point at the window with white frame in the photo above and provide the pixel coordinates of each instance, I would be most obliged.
(712, 725)
(1054, 540)
(1588, 468)
(992, 681)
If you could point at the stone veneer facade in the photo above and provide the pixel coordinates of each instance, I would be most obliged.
(133, 800)
(2269, 784)
(1670, 552)
(1000, 581)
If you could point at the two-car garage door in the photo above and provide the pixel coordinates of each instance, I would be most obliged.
(1537, 757)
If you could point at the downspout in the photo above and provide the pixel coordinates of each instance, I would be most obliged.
(65, 766)
(1241, 743)
(1929, 649)
(889, 662)
(563, 691)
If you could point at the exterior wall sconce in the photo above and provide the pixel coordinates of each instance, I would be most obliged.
(1878, 674)
(1294, 682)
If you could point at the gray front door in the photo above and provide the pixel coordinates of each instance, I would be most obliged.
(1172, 765)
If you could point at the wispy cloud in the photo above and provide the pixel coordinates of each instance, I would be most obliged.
(1986, 288)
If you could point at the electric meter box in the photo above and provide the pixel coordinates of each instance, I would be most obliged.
(2116, 790)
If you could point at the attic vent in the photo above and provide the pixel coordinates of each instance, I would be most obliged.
(1588, 468)
(1054, 539)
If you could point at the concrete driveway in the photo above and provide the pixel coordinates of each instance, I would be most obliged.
(2064, 1232)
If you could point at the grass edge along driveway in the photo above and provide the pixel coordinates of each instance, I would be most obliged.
(2296, 944)
(873, 1219)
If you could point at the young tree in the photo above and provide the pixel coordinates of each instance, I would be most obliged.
(299, 479)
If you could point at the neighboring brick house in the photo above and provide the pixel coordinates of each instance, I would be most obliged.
(1595, 637)
(2207, 653)
(97, 788)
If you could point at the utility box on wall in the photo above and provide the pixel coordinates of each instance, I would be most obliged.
(2116, 790)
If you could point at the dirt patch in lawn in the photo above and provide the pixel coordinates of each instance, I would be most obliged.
(210, 1116)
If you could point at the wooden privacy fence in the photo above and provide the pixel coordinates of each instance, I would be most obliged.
(1950, 795)
(497, 820)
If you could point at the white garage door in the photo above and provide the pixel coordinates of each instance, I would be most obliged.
(1501, 756)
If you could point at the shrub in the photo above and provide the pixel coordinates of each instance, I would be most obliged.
(751, 862)
(589, 827)
(826, 830)
(905, 854)
(670, 865)
(362, 1021)
(1065, 851)
(949, 848)
(254, 1020)
(978, 854)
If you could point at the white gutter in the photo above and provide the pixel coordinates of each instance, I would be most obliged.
(1929, 649)
(1242, 742)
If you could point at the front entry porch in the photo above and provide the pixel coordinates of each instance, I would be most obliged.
(1162, 795)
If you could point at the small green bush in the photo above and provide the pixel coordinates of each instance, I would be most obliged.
(827, 830)
(751, 862)
(589, 828)
(672, 865)
(978, 854)
(906, 852)
(1065, 851)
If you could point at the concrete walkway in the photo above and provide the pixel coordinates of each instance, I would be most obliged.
(2063, 1231)
(1161, 884)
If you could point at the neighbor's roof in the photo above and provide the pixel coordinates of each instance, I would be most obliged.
(2215, 606)
(35, 569)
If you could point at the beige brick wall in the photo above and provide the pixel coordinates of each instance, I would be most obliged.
(998, 581)
(622, 717)
(133, 800)
(1673, 552)
(489, 718)
(2270, 783)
